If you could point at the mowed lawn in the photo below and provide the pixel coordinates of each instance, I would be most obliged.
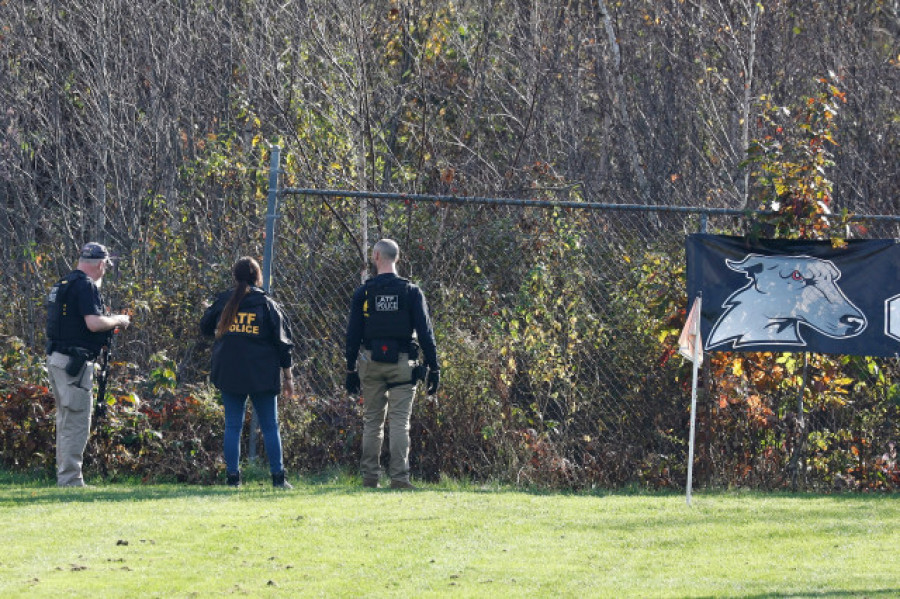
(334, 539)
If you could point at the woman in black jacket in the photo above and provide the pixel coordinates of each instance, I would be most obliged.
(251, 357)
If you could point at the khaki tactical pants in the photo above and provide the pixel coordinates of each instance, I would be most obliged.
(380, 402)
(73, 417)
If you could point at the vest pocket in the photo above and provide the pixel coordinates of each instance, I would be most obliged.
(385, 350)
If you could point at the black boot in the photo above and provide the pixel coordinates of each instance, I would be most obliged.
(279, 483)
(234, 479)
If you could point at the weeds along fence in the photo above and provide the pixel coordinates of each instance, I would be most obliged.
(557, 325)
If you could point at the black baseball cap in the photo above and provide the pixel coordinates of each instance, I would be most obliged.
(95, 251)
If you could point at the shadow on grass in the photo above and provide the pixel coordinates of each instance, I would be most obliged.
(40, 487)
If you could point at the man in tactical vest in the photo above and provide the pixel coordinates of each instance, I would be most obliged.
(77, 329)
(384, 314)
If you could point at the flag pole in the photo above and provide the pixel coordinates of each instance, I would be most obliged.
(698, 348)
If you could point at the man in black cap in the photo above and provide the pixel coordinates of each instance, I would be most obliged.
(77, 329)
(385, 313)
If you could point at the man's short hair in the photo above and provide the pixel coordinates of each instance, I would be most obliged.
(388, 249)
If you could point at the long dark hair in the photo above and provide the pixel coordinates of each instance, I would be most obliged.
(246, 273)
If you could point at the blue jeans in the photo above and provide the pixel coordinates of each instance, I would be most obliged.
(266, 406)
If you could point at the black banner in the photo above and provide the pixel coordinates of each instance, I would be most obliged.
(786, 295)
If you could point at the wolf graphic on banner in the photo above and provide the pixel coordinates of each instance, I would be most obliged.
(783, 293)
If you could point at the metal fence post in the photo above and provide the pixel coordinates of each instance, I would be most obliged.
(268, 256)
(271, 215)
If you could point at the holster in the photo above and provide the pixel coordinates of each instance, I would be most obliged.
(77, 359)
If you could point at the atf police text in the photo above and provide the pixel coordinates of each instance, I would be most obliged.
(243, 323)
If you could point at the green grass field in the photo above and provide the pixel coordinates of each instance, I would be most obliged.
(331, 538)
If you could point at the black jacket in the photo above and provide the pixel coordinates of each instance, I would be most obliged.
(249, 357)
(418, 312)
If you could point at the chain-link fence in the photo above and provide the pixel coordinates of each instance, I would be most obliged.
(556, 325)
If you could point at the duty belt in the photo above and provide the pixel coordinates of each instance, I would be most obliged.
(71, 350)
(405, 348)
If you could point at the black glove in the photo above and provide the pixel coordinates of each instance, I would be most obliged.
(100, 410)
(352, 384)
(434, 381)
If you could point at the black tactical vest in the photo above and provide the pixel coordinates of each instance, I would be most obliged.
(386, 310)
(65, 325)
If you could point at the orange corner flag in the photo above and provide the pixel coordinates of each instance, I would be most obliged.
(690, 342)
